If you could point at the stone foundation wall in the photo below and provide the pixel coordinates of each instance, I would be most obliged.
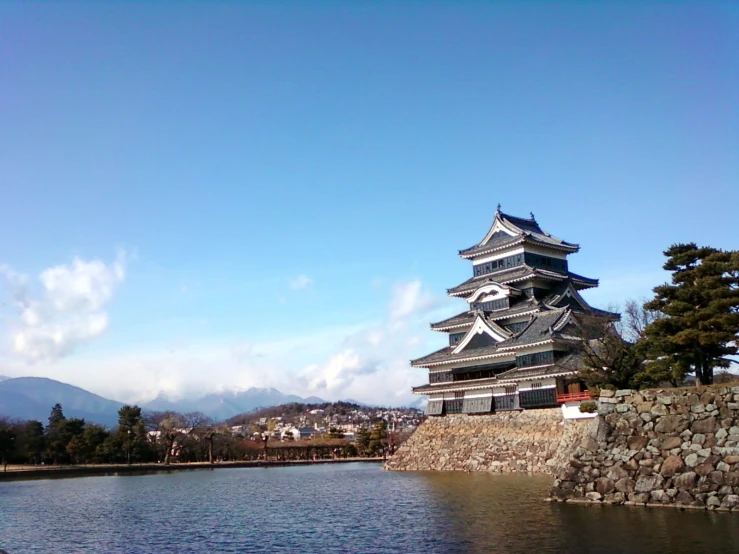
(660, 447)
(534, 441)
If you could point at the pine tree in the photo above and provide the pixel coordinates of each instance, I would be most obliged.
(701, 307)
(56, 415)
(377, 438)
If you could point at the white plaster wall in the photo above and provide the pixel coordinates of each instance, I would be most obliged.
(498, 255)
(571, 410)
(545, 384)
(520, 250)
(482, 393)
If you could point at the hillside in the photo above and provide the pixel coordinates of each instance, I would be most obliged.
(294, 409)
(225, 405)
(33, 397)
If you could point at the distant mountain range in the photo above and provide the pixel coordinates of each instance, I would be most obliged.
(224, 405)
(33, 397)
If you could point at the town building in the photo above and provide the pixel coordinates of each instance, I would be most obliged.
(516, 344)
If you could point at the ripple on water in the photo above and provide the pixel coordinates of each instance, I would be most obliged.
(351, 508)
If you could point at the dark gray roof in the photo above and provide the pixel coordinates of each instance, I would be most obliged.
(474, 283)
(583, 280)
(527, 305)
(506, 276)
(538, 329)
(567, 366)
(529, 230)
(498, 240)
(571, 363)
(445, 355)
(428, 389)
(467, 317)
(576, 302)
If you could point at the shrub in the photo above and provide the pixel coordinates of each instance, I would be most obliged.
(588, 407)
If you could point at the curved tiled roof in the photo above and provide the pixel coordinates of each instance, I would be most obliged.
(465, 318)
(526, 230)
(445, 355)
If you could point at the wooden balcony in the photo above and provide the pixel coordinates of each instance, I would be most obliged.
(573, 397)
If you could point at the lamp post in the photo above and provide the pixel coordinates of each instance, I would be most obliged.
(128, 446)
(265, 438)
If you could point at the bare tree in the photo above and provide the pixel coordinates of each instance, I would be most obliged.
(170, 430)
(635, 319)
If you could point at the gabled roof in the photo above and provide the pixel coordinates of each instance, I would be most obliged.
(445, 356)
(465, 319)
(507, 230)
(569, 365)
(544, 327)
(524, 307)
(460, 320)
(482, 327)
(517, 274)
(566, 295)
(540, 329)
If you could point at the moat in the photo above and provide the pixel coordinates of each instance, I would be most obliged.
(352, 508)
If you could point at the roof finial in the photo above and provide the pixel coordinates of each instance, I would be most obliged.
(532, 216)
(498, 209)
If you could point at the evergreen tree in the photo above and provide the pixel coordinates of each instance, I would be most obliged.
(362, 441)
(701, 309)
(56, 415)
(31, 441)
(7, 443)
(56, 446)
(377, 438)
(131, 431)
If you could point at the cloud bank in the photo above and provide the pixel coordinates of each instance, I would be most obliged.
(367, 361)
(63, 309)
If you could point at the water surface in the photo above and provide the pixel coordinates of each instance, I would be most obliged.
(352, 508)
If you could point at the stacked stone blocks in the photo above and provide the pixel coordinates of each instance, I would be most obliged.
(532, 441)
(677, 447)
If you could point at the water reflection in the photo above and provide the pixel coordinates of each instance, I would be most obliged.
(353, 508)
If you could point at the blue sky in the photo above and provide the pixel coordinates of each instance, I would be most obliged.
(209, 195)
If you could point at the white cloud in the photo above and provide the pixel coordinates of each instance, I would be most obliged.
(410, 298)
(372, 363)
(67, 310)
(366, 361)
(82, 285)
(45, 341)
(336, 373)
(301, 282)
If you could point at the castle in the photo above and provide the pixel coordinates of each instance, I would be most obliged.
(515, 346)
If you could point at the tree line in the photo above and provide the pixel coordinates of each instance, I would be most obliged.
(690, 327)
(160, 437)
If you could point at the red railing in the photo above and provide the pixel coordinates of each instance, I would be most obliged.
(573, 397)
